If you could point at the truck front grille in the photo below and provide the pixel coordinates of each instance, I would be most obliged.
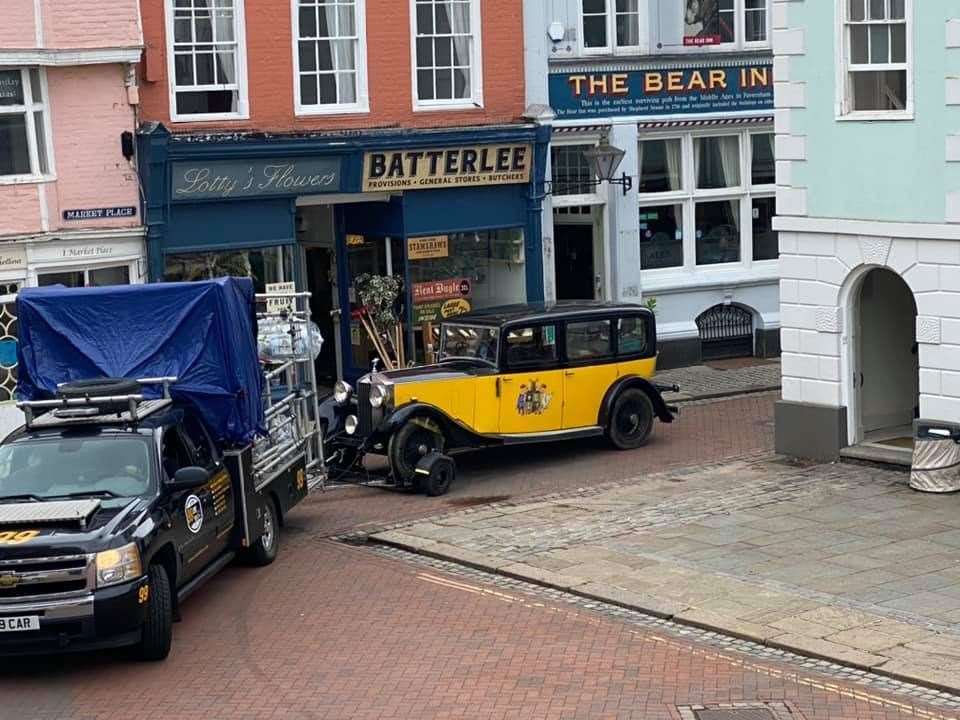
(45, 577)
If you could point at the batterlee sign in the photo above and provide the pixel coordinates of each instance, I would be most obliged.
(672, 91)
(447, 167)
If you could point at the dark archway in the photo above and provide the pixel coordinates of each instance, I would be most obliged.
(726, 331)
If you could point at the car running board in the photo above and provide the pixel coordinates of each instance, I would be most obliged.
(207, 573)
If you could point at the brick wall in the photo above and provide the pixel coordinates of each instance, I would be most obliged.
(17, 27)
(270, 68)
(20, 209)
(83, 24)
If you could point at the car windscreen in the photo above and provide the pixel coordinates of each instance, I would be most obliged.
(471, 342)
(76, 466)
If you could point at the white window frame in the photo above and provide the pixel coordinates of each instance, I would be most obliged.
(240, 32)
(28, 109)
(611, 48)
(844, 99)
(583, 199)
(362, 105)
(689, 195)
(475, 101)
(86, 269)
(740, 13)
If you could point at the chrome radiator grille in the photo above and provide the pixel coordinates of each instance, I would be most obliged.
(42, 578)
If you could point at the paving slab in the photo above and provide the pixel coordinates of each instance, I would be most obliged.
(834, 561)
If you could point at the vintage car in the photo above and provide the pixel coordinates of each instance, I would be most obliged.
(512, 374)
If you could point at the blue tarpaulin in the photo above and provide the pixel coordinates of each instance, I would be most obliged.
(204, 333)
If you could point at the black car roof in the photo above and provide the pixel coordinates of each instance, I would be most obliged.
(166, 418)
(536, 312)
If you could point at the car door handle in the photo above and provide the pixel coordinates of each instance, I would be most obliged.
(507, 380)
(569, 373)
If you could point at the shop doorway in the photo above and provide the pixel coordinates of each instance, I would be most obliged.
(575, 273)
(320, 274)
(886, 367)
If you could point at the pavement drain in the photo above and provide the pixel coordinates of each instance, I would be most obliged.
(718, 642)
(738, 711)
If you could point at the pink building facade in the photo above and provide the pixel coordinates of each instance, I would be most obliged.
(69, 194)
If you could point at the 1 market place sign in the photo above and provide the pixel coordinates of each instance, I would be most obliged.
(447, 167)
(225, 179)
(671, 91)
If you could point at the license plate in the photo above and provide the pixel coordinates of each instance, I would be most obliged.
(19, 624)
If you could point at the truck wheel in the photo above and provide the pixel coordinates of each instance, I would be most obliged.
(264, 550)
(98, 387)
(417, 438)
(631, 420)
(158, 628)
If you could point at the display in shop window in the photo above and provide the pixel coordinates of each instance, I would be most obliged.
(708, 22)
(425, 248)
(379, 297)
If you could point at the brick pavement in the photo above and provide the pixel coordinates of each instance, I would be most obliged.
(834, 561)
(337, 632)
(721, 379)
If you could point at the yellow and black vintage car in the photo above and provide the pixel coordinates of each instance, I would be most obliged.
(512, 374)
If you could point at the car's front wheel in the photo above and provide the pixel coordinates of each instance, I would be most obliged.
(631, 420)
(157, 632)
(416, 438)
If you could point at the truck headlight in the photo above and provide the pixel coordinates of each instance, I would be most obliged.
(378, 395)
(342, 392)
(118, 565)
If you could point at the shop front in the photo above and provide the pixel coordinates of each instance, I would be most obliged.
(453, 215)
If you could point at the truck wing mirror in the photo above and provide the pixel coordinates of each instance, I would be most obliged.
(189, 478)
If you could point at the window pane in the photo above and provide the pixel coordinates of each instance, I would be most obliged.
(38, 128)
(70, 279)
(346, 22)
(325, 55)
(727, 21)
(308, 22)
(594, 7)
(898, 43)
(718, 232)
(36, 88)
(444, 23)
(226, 70)
(308, 89)
(308, 55)
(718, 161)
(570, 171)
(859, 44)
(765, 242)
(532, 346)
(203, 27)
(764, 167)
(591, 339)
(205, 74)
(461, 17)
(444, 52)
(756, 20)
(182, 30)
(879, 44)
(424, 19)
(425, 84)
(661, 237)
(209, 102)
(424, 52)
(660, 166)
(11, 87)
(183, 69)
(347, 85)
(444, 84)
(631, 336)
(595, 31)
(882, 90)
(327, 88)
(461, 83)
(877, 9)
(345, 58)
(14, 151)
(897, 10)
(628, 23)
(119, 275)
(857, 11)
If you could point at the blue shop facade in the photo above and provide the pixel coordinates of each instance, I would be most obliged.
(455, 213)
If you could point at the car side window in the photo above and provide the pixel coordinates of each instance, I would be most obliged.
(632, 336)
(174, 452)
(531, 346)
(589, 340)
(200, 440)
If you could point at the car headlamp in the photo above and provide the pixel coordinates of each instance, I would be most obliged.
(118, 565)
(378, 395)
(342, 392)
(351, 424)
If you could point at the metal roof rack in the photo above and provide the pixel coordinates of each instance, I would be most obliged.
(93, 409)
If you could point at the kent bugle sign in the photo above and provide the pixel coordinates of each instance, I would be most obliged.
(447, 167)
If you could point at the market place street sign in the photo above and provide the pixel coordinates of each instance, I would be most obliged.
(669, 91)
(447, 167)
(252, 178)
(100, 213)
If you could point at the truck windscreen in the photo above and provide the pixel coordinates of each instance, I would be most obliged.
(76, 466)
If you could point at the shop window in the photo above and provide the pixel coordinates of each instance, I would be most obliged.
(9, 332)
(531, 346)
(94, 277)
(570, 171)
(610, 24)
(262, 265)
(717, 162)
(330, 60)
(631, 336)
(207, 59)
(447, 53)
(763, 167)
(661, 166)
(661, 236)
(24, 140)
(718, 232)
(661, 223)
(765, 240)
(724, 22)
(588, 340)
(876, 35)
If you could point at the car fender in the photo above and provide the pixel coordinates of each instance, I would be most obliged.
(332, 415)
(456, 433)
(660, 407)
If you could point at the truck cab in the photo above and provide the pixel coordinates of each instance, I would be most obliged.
(107, 522)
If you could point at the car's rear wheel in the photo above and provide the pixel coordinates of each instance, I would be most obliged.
(416, 438)
(631, 420)
(264, 550)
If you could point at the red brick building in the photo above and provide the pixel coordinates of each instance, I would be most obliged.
(311, 141)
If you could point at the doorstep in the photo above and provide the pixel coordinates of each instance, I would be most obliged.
(878, 453)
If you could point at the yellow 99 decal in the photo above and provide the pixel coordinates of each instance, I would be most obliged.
(143, 594)
(301, 479)
(15, 537)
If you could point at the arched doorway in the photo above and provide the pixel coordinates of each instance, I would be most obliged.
(886, 368)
